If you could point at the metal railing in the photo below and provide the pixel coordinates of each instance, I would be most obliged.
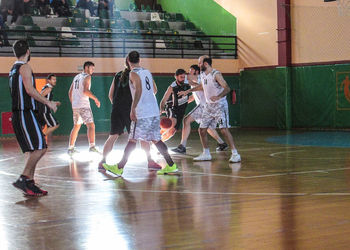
(118, 44)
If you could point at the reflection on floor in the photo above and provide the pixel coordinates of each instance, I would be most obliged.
(280, 197)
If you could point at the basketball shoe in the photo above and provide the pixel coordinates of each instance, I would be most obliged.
(203, 157)
(235, 158)
(180, 149)
(113, 169)
(28, 187)
(168, 169)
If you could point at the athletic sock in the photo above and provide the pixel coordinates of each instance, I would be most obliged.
(206, 151)
(163, 149)
(184, 143)
(234, 151)
(92, 145)
(70, 147)
(127, 151)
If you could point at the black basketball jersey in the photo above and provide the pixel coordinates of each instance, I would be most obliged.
(179, 100)
(122, 98)
(49, 96)
(20, 99)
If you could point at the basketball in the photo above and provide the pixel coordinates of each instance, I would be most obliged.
(165, 122)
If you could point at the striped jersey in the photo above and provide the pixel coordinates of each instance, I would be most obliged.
(175, 98)
(21, 101)
(49, 97)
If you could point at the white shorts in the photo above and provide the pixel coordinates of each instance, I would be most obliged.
(146, 129)
(196, 113)
(82, 115)
(215, 115)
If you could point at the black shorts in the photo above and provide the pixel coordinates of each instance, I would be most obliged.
(47, 119)
(28, 131)
(120, 121)
(176, 112)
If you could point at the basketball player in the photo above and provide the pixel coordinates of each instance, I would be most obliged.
(175, 105)
(215, 112)
(144, 115)
(196, 114)
(25, 100)
(120, 97)
(45, 116)
(79, 94)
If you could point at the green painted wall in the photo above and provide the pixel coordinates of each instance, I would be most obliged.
(207, 15)
(266, 98)
(100, 86)
(319, 99)
(298, 97)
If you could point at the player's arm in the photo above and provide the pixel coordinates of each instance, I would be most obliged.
(136, 81)
(166, 96)
(70, 92)
(191, 99)
(192, 80)
(46, 91)
(219, 79)
(155, 89)
(197, 88)
(87, 92)
(111, 91)
(26, 73)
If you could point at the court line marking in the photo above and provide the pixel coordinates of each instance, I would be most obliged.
(69, 179)
(304, 158)
(284, 152)
(10, 158)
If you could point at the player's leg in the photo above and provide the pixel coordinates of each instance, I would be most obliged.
(107, 148)
(32, 141)
(206, 122)
(222, 146)
(152, 165)
(137, 129)
(91, 136)
(118, 124)
(77, 120)
(171, 167)
(73, 137)
(33, 158)
(88, 119)
(223, 121)
(186, 130)
(51, 123)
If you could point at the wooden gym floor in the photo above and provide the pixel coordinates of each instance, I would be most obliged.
(291, 191)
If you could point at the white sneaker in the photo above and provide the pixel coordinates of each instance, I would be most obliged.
(203, 157)
(235, 158)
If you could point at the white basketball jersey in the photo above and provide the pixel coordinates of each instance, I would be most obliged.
(147, 106)
(79, 99)
(198, 95)
(211, 87)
